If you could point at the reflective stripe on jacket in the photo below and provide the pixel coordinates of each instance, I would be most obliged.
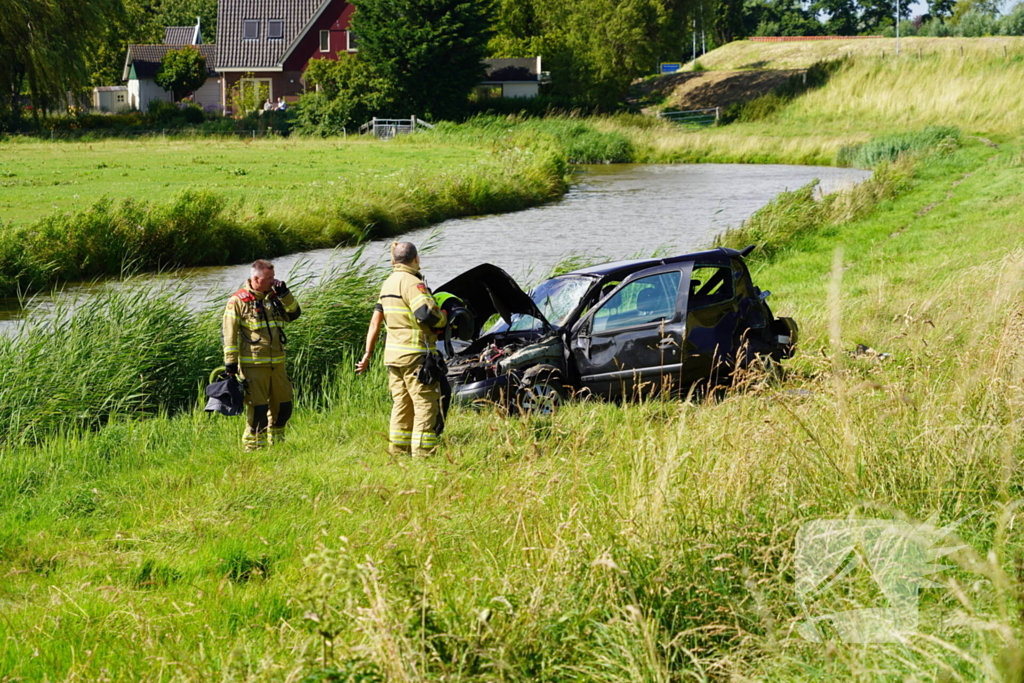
(253, 325)
(410, 312)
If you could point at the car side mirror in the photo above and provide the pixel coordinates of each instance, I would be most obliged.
(764, 295)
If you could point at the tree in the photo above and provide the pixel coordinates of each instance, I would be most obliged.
(181, 71)
(345, 93)
(593, 48)
(431, 51)
(43, 48)
(842, 16)
(728, 21)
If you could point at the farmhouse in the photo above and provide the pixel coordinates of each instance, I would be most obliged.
(143, 61)
(266, 45)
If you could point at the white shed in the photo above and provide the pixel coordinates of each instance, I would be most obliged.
(110, 98)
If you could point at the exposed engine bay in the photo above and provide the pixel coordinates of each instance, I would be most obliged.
(493, 356)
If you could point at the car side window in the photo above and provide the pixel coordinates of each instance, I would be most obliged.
(710, 285)
(647, 300)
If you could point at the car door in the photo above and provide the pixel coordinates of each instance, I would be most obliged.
(712, 315)
(630, 343)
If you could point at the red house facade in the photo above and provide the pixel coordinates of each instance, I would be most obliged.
(266, 45)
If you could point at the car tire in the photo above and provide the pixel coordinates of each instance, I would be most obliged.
(543, 396)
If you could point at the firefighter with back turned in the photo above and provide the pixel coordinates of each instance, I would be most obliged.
(415, 372)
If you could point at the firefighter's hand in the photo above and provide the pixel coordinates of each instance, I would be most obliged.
(231, 369)
(362, 364)
(280, 288)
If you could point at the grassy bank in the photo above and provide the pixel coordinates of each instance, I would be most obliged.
(270, 214)
(609, 542)
(745, 54)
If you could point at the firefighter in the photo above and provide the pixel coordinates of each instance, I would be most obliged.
(254, 342)
(411, 315)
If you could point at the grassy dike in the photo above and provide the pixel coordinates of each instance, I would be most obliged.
(644, 542)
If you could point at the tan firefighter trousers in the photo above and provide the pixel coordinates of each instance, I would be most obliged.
(414, 411)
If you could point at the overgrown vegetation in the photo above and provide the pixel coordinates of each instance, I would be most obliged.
(816, 76)
(888, 147)
(795, 215)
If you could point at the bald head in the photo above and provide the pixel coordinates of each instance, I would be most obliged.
(403, 252)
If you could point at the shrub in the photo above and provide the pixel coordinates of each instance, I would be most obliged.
(889, 147)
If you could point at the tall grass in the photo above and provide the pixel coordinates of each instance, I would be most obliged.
(650, 541)
(137, 349)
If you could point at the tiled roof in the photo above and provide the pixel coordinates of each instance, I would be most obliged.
(146, 58)
(237, 53)
(180, 35)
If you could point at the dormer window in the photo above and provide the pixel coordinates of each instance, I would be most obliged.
(275, 29)
(252, 30)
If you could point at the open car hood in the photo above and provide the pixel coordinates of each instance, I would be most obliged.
(487, 289)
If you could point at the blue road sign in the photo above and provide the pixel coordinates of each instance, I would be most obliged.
(670, 67)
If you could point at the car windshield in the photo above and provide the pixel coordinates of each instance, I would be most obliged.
(556, 298)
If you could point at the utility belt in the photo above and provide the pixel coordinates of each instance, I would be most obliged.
(433, 370)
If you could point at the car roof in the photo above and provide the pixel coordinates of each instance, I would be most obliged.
(625, 267)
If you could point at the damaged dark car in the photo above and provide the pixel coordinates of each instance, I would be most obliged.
(618, 330)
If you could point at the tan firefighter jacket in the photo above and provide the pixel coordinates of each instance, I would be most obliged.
(253, 327)
(410, 314)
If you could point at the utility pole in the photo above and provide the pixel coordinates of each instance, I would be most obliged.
(693, 25)
(703, 40)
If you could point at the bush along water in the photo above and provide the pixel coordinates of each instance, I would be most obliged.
(942, 139)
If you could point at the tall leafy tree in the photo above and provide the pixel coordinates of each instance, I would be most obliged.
(181, 71)
(593, 48)
(878, 14)
(431, 51)
(843, 19)
(43, 48)
(728, 21)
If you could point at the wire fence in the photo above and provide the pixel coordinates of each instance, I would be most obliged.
(150, 133)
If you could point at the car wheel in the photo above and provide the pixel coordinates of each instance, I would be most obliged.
(543, 396)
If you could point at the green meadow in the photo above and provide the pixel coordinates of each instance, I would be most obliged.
(649, 541)
(39, 178)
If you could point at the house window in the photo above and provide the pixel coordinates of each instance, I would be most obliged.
(351, 42)
(275, 29)
(252, 30)
(325, 41)
(120, 98)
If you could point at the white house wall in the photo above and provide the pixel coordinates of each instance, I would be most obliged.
(520, 89)
(142, 91)
(208, 96)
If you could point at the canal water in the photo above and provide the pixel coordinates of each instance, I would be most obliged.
(612, 212)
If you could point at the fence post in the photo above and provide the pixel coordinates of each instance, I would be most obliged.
(718, 108)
